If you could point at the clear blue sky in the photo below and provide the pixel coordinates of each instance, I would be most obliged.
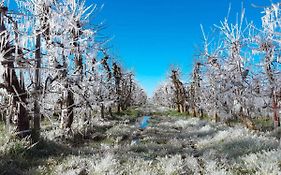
(151, 35)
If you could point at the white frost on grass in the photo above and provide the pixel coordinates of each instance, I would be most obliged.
(221, 151)
(192, 164)
(265, 162)
(213, 168)
(183, 123)
(236, 133)
(170, 165)
(72, 165)
(206, 128)
(106, 165)
(140, 167)
(234, 142)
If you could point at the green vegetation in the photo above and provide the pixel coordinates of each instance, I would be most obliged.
(264, 123)
(172, 113)
(133, 112)
(2, 126)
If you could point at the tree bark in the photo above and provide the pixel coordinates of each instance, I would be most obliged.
(102, 111)
(11, 82)
(70, 107)
(36, 117)
(217, 119)
(275, 112)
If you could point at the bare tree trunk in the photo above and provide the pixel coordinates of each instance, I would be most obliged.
(36, 117)
(201, 113)
(119, 108)
(194, 112)
(117, 77)
(67, 109)
(70, 107)
(269, 49)
(275, 112)
(9, 114)
(68, 96)
(127, 102)
(23, 121)
(102, 111)
(187, 109)
(178, 108)
(180, 93)
(110, 112)
(8, 121)
(217, 119)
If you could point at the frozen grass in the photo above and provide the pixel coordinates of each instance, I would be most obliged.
(168, 145)
(178, 146)
(4, 137)
(265, 162)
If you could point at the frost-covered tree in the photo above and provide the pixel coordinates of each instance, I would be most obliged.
(172, 93)
(179, 91)
(54, 65)
(11, 56)
(228, 72)
(163, 95)
(195, 90)
(139, 96)
(269, 46)
(241, 69)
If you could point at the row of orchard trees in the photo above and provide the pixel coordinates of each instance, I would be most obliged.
(236, 75)
(53, 63)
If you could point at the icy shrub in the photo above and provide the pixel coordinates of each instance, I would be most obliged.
(15, 148)
(88, 165)
(119, 130)
(4, 137)
(170, 165)
(192, 164)
(222, 136)
(183, 123)
(140, 167)
(53, 134)
(12, 157)
(265, 162)
(214, 168)
(275, 133)
(234, 142)
(206, 128)
(106, 165)
(74, 165)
